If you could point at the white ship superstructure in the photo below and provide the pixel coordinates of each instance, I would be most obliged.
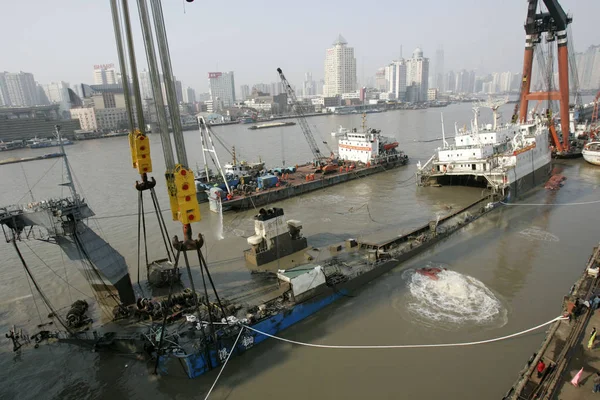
(492, 155)
(366, 146)
(591, 153)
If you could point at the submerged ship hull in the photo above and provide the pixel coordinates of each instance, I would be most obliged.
(324, 295)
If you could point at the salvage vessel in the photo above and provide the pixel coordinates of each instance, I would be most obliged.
(505, 158)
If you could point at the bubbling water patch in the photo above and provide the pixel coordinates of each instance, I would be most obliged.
(452, 299)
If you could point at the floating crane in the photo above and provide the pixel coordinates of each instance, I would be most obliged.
(554, 24)
(320, 161)
(179, 177)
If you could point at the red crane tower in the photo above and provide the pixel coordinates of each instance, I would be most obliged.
(554, 24)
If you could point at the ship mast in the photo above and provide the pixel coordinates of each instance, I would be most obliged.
(70, 182)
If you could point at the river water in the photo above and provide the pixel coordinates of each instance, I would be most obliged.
(505, 273)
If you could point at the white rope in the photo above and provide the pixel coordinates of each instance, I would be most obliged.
(407, 346)
(551, 204)
(225, 363)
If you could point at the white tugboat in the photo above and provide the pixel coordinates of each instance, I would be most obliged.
(508, 158)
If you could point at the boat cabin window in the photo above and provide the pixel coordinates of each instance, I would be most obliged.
(473, 166)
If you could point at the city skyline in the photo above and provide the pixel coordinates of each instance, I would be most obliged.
(477, 42)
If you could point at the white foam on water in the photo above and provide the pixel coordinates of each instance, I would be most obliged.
(536, 233)
(453, 299)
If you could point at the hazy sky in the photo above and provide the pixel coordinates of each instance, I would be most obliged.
(63, 39)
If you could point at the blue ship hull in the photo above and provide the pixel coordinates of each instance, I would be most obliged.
(196, 364)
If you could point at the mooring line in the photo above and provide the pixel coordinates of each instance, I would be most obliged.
(225, 363)
(551, 204)
(406, 346)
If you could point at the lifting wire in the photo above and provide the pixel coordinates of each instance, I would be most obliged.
(37, 287)
(39, 180)
(407, 346)
(56, 273)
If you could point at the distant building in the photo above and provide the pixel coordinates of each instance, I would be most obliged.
(104, 110)
(222, 86)
(309, 88)
(146, 85)
(417, 77)
(58, 92)
(189, 96)
(86, 117)
(340, 69)
(432, 94)
(380, 80)
(244, 92)
(178, 90)
(588, 68)
(395, 76)
(438, 73)
(105, 74)
(450, 82)
(18, 89)
(21, 123)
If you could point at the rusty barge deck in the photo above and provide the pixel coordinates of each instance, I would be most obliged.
(297, 184)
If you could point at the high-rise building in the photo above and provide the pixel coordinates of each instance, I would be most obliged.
(146, 85)
(245, 92)
(308, 86)
(340, 69)
(450, 81)
(505, 81)
(380, 80)
(58, 92)
(588, 68)
(178, 91)
(417, 77)
(222, 86)
(438, 74)
(189, 95)
(105, 74)
(18, 89)
(276, 88)
(395, 77)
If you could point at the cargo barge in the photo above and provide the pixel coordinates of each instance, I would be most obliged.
(303, 180)
(272, 125)
(360, 154)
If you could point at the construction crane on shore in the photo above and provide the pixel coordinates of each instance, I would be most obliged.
(553, 24)
(320, 160)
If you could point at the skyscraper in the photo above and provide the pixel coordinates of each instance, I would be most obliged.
(18, 89)
(222, 86)
(146, 85)
(380, 80)
(189, 95)
(245, 92)
(438, 74)
(105, 74)
(417, 77)
(58, 92)
(340, 69)
(308, 86)
(178, 91)
(395, 76)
